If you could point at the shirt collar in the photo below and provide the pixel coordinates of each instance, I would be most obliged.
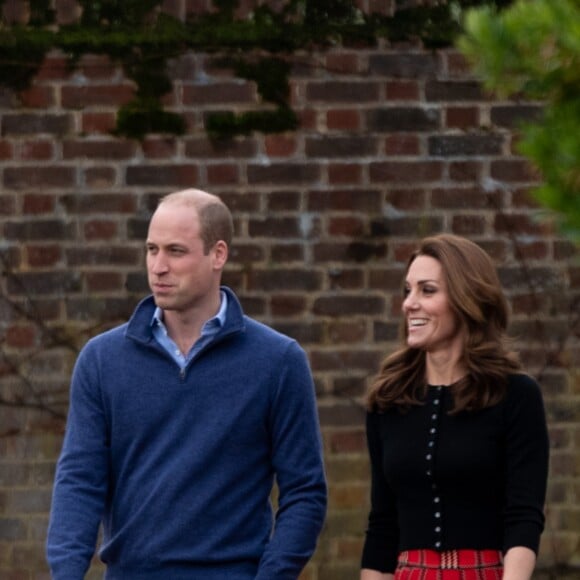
(218, 320)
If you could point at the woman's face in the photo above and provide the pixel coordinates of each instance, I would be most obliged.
(431, 324)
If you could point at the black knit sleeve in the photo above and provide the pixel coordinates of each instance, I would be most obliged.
(382, 536)
(526, 463)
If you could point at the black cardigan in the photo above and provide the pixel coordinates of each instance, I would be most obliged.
(471, 480)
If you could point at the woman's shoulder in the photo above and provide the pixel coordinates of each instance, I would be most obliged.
(523, 390)
(521, 383)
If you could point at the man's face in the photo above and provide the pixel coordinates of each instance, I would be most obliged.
(181, 276)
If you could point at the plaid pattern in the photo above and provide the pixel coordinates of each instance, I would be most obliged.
(449, 565)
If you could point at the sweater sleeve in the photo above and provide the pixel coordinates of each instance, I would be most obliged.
(382, 535)
(526, 464)
(298, 466)
(81, 479)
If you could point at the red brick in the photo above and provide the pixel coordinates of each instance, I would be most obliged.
(36, 150)
(402, 145)
(346, 279)
(348, 442)
(38, 97)
(407, 199)
(222, 174)
(406, 172)
(457, 64)
(159, 148)
(97, 67)
(43, 177)
(101, 229)
(7, 204)
(21, 336)
(347, 332)
(342, 62)
(287, 305)
(462, 117)
(532, 250)
(343, 173)
(518, 224)
(465, 171)
(99, 177)
(43, 256)
(219, 93)
(283, 201)
(344, 200)
(402, 90)
(346, 226)
(97, 122)
(6, 150)
(280, 145)
(343, 120)
(113, 149)
(468, 225)
(287, 253)
(54, 67)
(173, 175)
(513, 170)
(342, 92)
(104, 281)
(37, 203)
(74, 97)
(123, 203)
(307, 119)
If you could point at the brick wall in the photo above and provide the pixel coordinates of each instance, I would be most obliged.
(394, 143)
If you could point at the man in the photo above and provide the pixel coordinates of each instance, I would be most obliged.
(179, 422)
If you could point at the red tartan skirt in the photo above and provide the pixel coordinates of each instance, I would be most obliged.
(449, 565)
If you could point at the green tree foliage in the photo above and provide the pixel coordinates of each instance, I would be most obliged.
(532, 50)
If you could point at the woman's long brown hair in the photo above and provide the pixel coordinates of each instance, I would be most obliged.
(477, 300)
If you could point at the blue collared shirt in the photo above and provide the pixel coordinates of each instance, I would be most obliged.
(209, 329)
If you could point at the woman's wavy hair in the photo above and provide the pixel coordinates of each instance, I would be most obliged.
(477, 300)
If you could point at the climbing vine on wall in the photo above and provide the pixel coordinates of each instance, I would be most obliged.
(136, 34)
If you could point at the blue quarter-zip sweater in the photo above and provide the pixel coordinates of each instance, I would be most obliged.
(179, 465)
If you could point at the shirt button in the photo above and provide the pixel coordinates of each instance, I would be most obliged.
(433, 430)
(434, 416)
(436, 499)
(428, 457)
(436, 402)
(429, 472)
(437, 544)
(431, 443)
(437, 514)
(438, 529)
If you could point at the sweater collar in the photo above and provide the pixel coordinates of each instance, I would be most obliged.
(139, 325)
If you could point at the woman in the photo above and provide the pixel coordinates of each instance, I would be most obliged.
(456, 432)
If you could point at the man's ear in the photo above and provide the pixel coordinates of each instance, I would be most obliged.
(220, 254)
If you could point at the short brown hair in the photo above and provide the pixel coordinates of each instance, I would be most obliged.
(215, 219)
